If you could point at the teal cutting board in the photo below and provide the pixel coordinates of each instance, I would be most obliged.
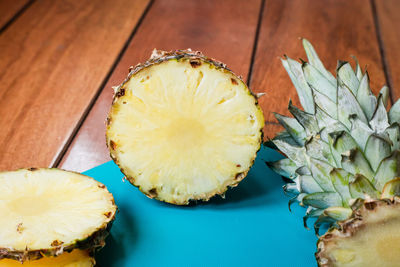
(252, 226)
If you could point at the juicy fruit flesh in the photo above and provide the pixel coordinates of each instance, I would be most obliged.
(45, 208)
(377, 243)
(184, 132)
(77, 258)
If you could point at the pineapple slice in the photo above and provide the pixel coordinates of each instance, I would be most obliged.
(77, 258)
(183, 127)
(369, 238)
(48, 211)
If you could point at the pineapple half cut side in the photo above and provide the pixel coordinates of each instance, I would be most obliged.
(370, 237)
(183, 127)
(76, 258)
(48, 211)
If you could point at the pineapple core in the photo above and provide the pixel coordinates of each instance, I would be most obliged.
(376, 243)
(77, 258)
(183, 132)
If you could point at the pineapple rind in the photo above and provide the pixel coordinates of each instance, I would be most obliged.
(195, 59)
(91, 242)
(75, 258)
(339, 246)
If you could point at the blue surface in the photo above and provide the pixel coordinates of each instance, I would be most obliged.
(252, 226)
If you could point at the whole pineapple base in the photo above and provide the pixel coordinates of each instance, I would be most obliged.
(183, 127)
(370, 237)
(77, 258)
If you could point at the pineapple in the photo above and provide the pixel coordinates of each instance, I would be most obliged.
(46, 212)
(77, 258)
(370, 237)
(183, 127)
(343, 148)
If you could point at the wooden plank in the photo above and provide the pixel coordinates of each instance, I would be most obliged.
(389, 22)
(8, 9)
(221, 29)
(336, 28)
(53, 60)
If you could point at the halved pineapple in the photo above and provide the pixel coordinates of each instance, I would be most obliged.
(184, 127)
(48, 211)
(370, 237)
(77, 258)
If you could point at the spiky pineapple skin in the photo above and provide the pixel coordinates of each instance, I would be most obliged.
(195, 58)
(90, 243)
(349, 227)
(75, 258)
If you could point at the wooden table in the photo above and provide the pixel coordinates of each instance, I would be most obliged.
(59, 59)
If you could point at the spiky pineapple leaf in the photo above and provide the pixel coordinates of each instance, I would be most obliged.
(380, 120)
(320, 171)
(376, 149)
(322, 200)
(348, 105)
(311, 213)
(394, 112)
(393, 131)
(387, 170)
(360, 131)
(284, 167)
(391, 188)
(308, 184)
(340, 180)
(338, 213)
(326, 104)
(365, 97)
(293, 127)
(319, 149)
(355, 162)
(293, 68)
(292, 188)
(384, 92)
(316, 62)
(289, 147)
(327, 124)
(317, 81)
(307, 120)
(362, 187)
(340, 142)
(346, 75)
(359, 73)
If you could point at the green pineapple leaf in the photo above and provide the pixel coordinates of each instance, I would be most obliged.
(293, 68)
(355, 162)
(316, 62)
(387, 170)
(365, 97)
(376, 149)
(391, 188)
(346, 75)
(362, 187)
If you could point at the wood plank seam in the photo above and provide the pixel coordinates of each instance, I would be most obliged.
(60, 154)
(16, 16)
(382, 51)
(253, 55)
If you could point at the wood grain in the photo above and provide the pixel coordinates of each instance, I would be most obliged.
(389, 23)
(224, 30)
(336, 28)
(53, 60)
(8, 9)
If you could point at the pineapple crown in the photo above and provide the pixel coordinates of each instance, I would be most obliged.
(342, 146)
